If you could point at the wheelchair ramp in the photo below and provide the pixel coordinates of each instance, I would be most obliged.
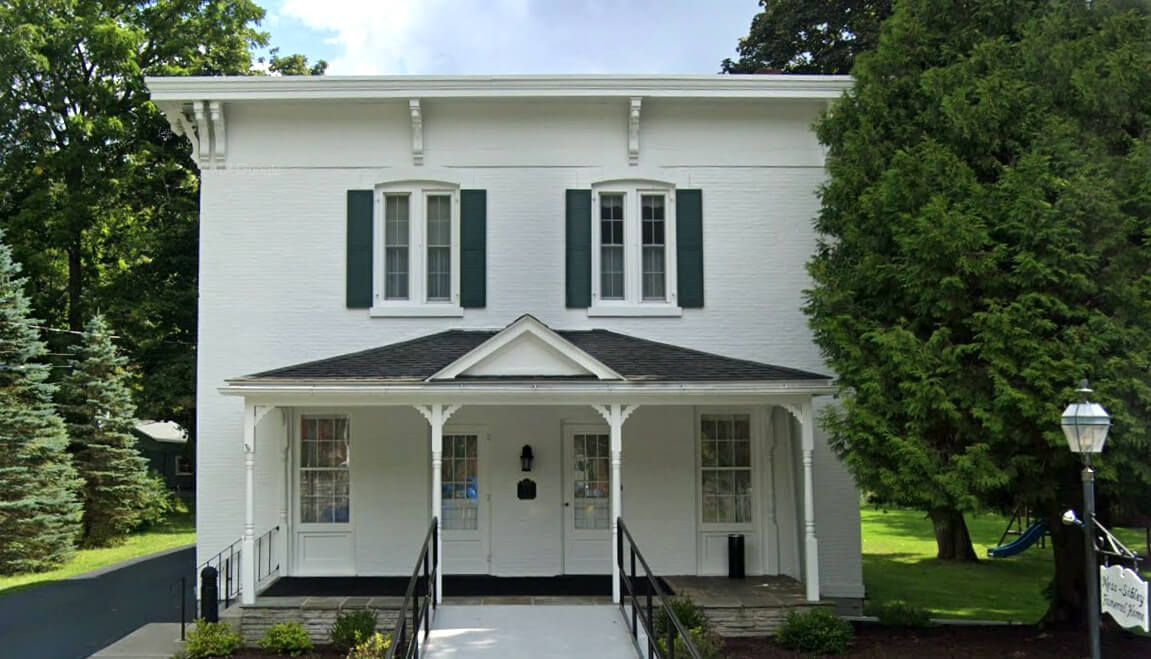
(558, 631)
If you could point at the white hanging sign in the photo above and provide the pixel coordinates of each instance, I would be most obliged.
(1124, 596)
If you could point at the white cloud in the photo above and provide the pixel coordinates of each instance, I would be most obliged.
(524, 36)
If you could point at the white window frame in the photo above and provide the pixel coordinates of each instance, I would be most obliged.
(417, 303)
(633, 303)
(755, 479)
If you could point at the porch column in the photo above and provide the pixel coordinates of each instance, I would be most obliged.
(252, 416)
(811, 544)
(286, 472)
(615, 414)
(437, 415)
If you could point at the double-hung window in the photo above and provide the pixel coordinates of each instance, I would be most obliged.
(633, 258)
(419, 242)
(725, 468)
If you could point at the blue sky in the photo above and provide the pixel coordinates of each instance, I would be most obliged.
(364, 37)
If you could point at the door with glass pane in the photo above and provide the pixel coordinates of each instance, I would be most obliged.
(323, 496)
(464, 514)
(587, 500)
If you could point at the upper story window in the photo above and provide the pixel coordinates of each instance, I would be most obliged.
(633, 256)
(418, 271)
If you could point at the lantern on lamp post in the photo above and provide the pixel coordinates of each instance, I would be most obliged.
(1085, 425)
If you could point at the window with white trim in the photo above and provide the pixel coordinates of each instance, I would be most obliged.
(419, 247)
(725, 468)
(325, 479)
(633, 260)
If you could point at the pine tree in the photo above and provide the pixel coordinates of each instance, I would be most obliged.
(39, 511)
(100, 413)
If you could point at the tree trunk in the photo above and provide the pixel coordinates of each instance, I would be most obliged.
(1068, 601)
(75, 285)
(951, 536)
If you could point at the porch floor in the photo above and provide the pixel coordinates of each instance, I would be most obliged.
(749, 592)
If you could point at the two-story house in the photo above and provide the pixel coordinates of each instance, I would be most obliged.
(525, 306)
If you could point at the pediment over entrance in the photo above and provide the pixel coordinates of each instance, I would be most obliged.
(526, 349)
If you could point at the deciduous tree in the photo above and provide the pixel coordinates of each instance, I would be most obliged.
(801, 36)
(984, 245)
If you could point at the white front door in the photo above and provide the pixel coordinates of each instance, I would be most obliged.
(466, 502)
(587, 506)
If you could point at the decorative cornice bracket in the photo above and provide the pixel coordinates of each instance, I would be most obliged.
(219, 133)
(417, 131)
(633, 130)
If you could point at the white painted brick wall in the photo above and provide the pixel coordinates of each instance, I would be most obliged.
(272, 249)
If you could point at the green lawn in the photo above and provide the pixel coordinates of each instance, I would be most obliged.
(178, 530)
(899, 563)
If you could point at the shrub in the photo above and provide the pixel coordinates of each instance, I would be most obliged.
(211, 639)
(352, 628)
(288, 638)
(689, 613)
(707, 644)
(373, 647)
(156, 501)
(817, 631)
(898, 613)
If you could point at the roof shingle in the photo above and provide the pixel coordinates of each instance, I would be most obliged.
(636, 359)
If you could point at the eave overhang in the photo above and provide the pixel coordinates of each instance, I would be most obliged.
(269, 88)
(526, 392)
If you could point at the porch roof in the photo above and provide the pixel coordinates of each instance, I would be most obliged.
(626, 359)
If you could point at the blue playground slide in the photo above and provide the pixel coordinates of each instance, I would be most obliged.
(1029, 537)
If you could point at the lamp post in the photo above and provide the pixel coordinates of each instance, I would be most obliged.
(1085, 424)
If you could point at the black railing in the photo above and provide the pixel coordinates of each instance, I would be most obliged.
(227, 565)
(651, 595)
(267, 562)
(420, 598)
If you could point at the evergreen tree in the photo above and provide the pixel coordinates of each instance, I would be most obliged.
(39, 512)
(984, 245)
(100, 413)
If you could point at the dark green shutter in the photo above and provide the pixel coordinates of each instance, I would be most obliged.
(359, 252)
(473, 248)
(578, 261)
(689, 247)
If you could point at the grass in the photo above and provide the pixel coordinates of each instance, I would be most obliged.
(899, 563)
(176, 531)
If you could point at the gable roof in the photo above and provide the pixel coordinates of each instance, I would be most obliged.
(530, 348)
(636, 360)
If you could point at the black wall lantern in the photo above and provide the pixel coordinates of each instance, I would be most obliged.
(526, 458)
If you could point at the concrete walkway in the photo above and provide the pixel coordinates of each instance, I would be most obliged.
(156, 640)
(555, 631)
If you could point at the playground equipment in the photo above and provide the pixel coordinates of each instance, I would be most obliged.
(1035, 533)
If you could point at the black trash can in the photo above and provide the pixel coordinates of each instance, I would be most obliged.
(735, 563)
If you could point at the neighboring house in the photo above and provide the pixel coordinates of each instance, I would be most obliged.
(165, 445)
(407, 281)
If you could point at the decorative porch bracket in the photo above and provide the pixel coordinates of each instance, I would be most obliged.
(615, 414)
(437, 415)
(805, 414)
(253, 414)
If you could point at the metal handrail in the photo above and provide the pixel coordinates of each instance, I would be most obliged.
(405, 639)
(646, 618)
(227, 564)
